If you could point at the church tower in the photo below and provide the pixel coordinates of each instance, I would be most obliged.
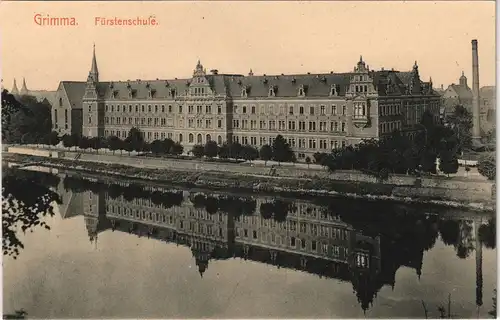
(463, 80)
(24, 90)
(14, 90)
(92, 106)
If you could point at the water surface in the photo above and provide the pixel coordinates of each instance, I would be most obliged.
(130, 252)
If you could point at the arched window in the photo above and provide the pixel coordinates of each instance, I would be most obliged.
(60, 102)
(191, 138)
(199, 139)
(219, 140)
(208, 137)
(180, 137)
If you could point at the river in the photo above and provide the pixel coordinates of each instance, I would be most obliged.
(131, 251)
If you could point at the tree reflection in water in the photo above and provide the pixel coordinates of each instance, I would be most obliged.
(363, 242)
(26, 200)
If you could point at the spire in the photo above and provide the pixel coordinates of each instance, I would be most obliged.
(24, 89)
(14, 88)
(94, 71)
(360, 58)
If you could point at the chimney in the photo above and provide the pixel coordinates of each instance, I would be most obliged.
(214, 71)
(476, 129)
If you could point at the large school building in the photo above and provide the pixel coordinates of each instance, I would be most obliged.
(314, 112)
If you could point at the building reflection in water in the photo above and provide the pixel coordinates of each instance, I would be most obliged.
(347, 242)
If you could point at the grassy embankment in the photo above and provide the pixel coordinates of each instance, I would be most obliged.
(232, 181)
(213, 179)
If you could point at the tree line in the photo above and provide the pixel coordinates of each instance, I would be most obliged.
(24, 119)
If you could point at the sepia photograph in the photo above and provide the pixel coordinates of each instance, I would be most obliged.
(248, 159)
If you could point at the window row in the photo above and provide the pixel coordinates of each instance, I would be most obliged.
(163, 122)
(389, 127)
(326, 249)
(257, 220)
(301, 143)
(291, 125)
(390, 110)
(207, 124)
(122, 134)
(292, 110)
(157, 108)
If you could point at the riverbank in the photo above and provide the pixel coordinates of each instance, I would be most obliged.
(452, 193)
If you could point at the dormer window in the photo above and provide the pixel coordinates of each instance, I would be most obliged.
(265, 80)
(114, 94)
(302, 91)
(333, 90)
(244, 92)
(151, 93)
(272, 91)
(294, 80)
(173, 92)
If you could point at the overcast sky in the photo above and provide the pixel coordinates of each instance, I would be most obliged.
(271, 38)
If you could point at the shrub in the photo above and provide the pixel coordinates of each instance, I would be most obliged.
(487, 166)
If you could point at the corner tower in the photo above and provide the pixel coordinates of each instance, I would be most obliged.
(92, 106)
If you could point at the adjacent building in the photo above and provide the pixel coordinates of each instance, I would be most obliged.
(40, 95)
(461, 94)
(314, 112)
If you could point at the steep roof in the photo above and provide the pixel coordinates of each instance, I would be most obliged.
(74, 91)
(40, 95)
(463, 92)
(315, 85)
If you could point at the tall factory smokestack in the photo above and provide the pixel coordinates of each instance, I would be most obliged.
(476, 128)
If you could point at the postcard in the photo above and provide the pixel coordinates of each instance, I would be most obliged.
(248, 159)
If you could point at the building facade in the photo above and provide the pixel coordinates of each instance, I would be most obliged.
(314, 112)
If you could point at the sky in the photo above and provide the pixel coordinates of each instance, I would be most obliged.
(234, 37)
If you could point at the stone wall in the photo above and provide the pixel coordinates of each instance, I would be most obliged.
(30, 151)
(459, 189)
